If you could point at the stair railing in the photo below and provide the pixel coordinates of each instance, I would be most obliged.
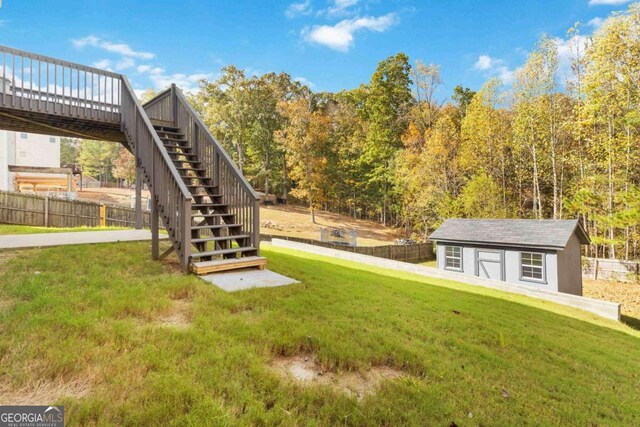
(172, 107)
(165, 183)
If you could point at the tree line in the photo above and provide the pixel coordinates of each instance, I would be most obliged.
(554, 144)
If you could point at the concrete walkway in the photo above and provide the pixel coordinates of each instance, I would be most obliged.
(609, 310)
(19, 241)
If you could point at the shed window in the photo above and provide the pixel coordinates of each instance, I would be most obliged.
(52, 139)
(532, 266)
(23, 136)
(453, 257)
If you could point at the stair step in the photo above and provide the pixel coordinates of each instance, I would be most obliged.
(203, 186)
(208, 205)
(163, 126)
(206, 267)
(212, 215)
(204, 195)
(219, 239)
(192, 169)
(171, 133)
(172, 138)
(214, 227)
(178, 153)
(177, 146)
(222, 252)
(187, 161)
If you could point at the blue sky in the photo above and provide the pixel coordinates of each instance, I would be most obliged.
(331, 44)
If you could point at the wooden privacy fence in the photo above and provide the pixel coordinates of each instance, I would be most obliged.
(611, 269)
(420, 252)
(42, 211)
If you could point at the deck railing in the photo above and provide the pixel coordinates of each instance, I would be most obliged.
(39, 83)
(171, 106)
(166, 185)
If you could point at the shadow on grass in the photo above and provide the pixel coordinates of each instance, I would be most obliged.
(631, 321)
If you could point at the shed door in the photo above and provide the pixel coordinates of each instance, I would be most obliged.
(489, 264)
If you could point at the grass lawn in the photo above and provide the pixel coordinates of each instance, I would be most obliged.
(24, 229)
(94, 328)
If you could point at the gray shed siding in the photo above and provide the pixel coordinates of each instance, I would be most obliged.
(511, 265)
(570, 268)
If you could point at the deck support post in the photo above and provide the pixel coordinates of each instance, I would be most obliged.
(155, 242)
(138, 224)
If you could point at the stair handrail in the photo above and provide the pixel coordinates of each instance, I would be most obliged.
(156, 140)
(168, 189)
(225, 156)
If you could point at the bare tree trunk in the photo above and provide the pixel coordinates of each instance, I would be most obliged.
(612, 247)
(285, 192)
(537, 205)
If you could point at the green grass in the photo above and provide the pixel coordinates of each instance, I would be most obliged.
(430, 263)
(91, 318)
(24, 229)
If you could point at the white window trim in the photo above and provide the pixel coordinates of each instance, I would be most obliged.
(544, 268)
(445, 258)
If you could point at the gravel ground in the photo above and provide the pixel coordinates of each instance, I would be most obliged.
(625, 293)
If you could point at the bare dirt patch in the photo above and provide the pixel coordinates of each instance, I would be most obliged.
(179, 316)
(295, 221)
(44, 392)
(306, 371)
(625, 293)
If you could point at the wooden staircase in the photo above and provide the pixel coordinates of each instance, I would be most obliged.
(207, 207)
(220, 241)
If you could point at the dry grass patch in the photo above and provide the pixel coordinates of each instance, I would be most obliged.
(178, 317)
(306, 371)
(6, 304)
(45, 392)
(6, 256)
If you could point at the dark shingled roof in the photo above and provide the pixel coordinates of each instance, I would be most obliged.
(539, 233)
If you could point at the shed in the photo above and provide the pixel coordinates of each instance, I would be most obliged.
(540, 253)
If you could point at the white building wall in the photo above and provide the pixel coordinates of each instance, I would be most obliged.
(26, 149)
(37, 150)
(4, 161)
(511, 267)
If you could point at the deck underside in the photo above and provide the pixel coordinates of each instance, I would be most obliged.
(59, 125)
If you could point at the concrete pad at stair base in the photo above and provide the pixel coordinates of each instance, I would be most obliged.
(606, 309)
(248, 279)
(20, 241)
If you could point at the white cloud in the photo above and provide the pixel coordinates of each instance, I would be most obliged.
(125, 58)
(117, 48)
(186, 82)
(341, 7)
(495, 67)
(607, 2)
(341, 35)
(105, 64)
(125, 63)
(305, 82)
(568, 49)
(596, 22)
(296, 9)
(483, 63)
(161, 80)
